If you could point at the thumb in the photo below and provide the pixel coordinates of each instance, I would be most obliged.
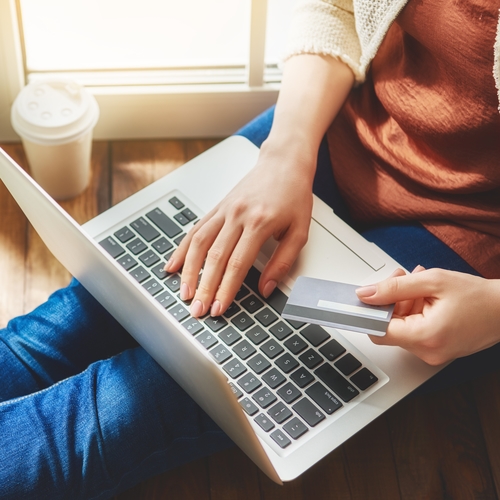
(398, 288)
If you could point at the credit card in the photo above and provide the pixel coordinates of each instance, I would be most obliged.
(334, 304)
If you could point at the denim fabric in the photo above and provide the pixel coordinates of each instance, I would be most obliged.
(80, 418)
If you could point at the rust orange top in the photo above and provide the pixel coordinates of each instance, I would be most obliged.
(420, 139)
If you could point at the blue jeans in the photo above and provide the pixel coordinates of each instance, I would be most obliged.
(86, 413)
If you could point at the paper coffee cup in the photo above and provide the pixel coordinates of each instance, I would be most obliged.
(55, 119)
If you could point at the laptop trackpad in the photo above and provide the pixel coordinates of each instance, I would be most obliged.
(325, 257)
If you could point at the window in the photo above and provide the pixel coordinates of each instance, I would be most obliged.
(158, 68)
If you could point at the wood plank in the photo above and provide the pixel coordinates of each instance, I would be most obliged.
(44, 274)
(370, 466)
(487, 397)
(13, 242)
(439, 447)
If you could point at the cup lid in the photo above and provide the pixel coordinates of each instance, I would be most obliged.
(53, 111)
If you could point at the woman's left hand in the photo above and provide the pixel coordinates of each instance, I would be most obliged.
(439, 315)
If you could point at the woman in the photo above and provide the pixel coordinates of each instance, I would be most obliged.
(86, 413)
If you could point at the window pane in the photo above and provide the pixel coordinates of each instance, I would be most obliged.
(109, 34)
(279, 15)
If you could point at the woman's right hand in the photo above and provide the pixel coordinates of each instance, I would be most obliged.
(273, 200)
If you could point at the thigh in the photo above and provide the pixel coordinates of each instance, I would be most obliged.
(57, 340)
(92, 435)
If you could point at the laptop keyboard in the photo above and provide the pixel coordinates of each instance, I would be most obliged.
(288, 376)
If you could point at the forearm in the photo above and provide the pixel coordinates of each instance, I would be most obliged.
(313, 90)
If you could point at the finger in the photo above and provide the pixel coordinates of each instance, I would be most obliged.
(282, 260)
(242, 258)
(177, 258)
(404, 307)
(402, 332)
(391, 290)
(215, 265)
(200, 243)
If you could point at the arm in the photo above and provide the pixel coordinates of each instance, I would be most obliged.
(274, 199)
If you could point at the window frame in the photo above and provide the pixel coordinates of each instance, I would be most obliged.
(171, 103)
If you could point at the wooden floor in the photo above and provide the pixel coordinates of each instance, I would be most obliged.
(440, 446)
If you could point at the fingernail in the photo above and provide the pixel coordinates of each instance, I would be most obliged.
(196, 308)
(169, 264)
(216, 308)
(366, 291)
(269, 288)
(184, 291)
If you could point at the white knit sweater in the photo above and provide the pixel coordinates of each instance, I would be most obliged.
(352, 31)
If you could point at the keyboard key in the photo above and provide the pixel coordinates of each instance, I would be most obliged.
(206, 339)
(336, 382)
(257, 335)
(162, 245)
(153, 287)
(158, 271)
(242, 292)
(124, 234)
(248, 406)
(234, 368)
(295, 428)
(308, 412)
(279, 413)
(252, 304)
(315, 334)
(220, 354)
(249, 382)
(277, 300)
(273, 378)
(266, 317)
(174, 283)
(176, 203)
(252, 279)
(127, 262)
(193, 326)
(295, 344)
(181, 219)
(280, 438)
(332, 350)
(145, 229)
(347, 364)
(235, 390)
(229, 336)
(244, 349)
(287, 363)
(140, 274)
(243, 321)
(324, 398)
(179, 238)
(166, 299)
(189, 215)
(264, 397)
(164, 223)
(289, 393)
(311, 358)
(149, 258)
(296, 324)
(258, 364)
(302, 377)
(272, 349)
(216, 323)
(137, 246)
(179, 312)
(264, 422)
(232, 310)
(112, 247)
(364, 379)
(281, 331)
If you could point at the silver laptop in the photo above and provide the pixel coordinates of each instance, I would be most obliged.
(287, 393)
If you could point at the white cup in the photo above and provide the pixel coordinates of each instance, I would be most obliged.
(55, 119)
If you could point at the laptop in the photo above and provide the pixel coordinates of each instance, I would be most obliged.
(287, 393)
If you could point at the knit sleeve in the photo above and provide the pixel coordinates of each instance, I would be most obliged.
(326, 27)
